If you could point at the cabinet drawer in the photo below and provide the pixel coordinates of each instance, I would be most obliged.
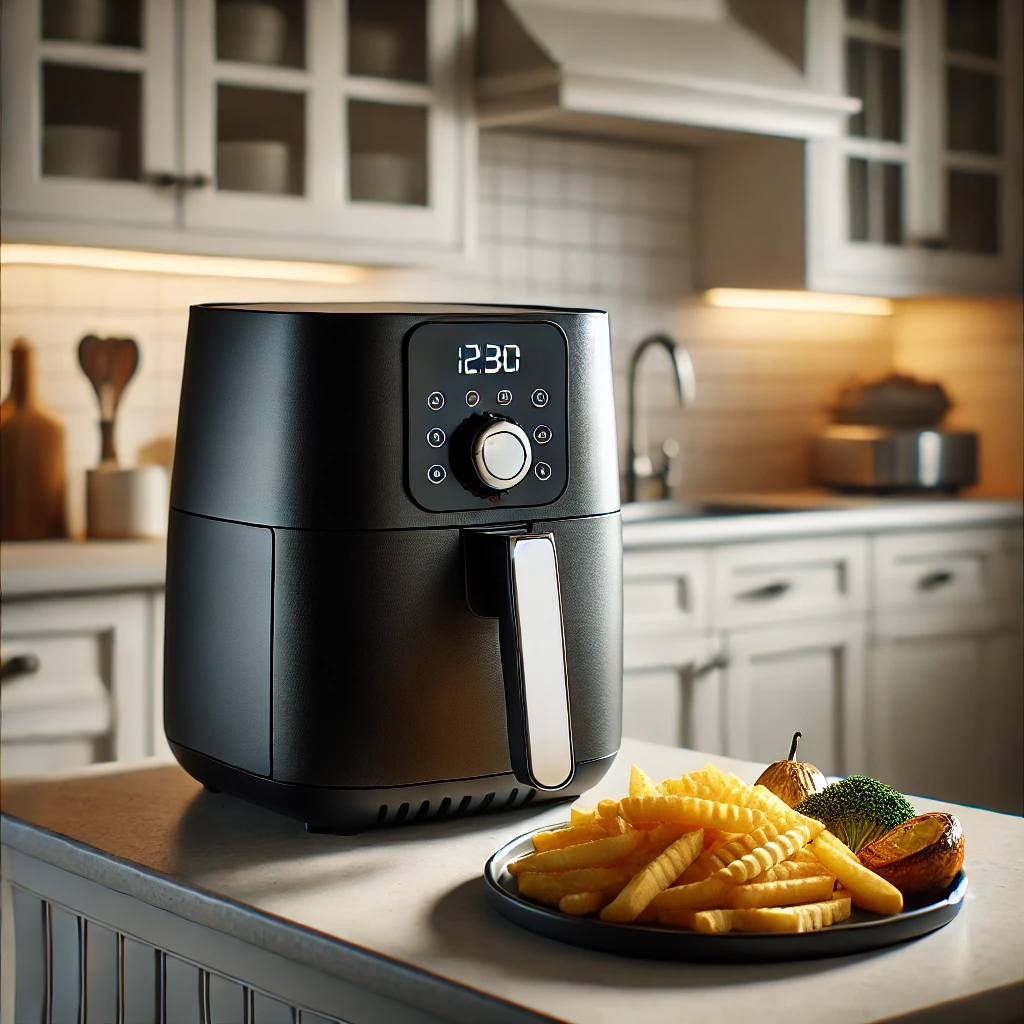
(661, 648)
(758, 583)
(940, 568)
(66, 696)
(88, 699)
(665, 589)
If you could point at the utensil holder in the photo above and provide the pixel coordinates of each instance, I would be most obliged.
(127, 503)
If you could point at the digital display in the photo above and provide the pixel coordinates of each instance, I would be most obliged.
(488, 359)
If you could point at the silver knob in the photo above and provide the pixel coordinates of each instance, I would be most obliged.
(501, 454)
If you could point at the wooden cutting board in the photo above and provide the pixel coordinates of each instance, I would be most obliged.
(31, 459)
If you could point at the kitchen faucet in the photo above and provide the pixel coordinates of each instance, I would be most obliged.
(637, 466)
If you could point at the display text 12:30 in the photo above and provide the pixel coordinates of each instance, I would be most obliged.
(495, 359)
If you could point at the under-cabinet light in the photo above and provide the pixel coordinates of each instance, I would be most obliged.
(816, 302)
(174, 263)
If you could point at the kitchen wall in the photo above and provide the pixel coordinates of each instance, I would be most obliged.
(974, 347)
(565, 221)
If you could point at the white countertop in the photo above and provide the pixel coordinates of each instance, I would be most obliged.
(816, 514)
(403, 910)
(32, 568)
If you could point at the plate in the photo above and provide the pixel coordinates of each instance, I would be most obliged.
(861, 932)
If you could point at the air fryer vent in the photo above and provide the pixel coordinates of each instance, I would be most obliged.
(469, 804)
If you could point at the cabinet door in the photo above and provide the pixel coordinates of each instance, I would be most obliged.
(945, 709)
(676, 701)
(348, 124)
(88, 699)
(922, 193)
(89, 111)
(806, 677)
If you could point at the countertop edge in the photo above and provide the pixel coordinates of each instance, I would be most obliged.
(361, 967)
(766, 526)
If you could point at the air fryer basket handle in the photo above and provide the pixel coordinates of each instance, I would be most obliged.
(515, 579)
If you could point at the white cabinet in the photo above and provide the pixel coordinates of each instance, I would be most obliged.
(94, 695)
(808, 676)
(946, 706)
(896, 655)
(86, 123)
(920, 195)
(337, 129)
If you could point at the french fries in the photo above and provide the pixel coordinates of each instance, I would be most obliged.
(705, 852)
(691, 809)
(807, 918)
(584, 855)
(571, 836)
(867, 890)
(781, 894)
(659, 874)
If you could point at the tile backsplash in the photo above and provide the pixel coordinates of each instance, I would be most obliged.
(562, 221)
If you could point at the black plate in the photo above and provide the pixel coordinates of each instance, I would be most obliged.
(861, 932)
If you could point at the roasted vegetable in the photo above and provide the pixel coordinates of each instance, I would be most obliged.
(921, 855)
(858, 810)
(792, 780)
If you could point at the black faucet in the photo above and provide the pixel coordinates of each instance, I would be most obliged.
(686, 387)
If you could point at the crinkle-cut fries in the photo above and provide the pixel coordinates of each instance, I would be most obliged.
(705, 852)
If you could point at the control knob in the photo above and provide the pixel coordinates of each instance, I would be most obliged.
(501, 454)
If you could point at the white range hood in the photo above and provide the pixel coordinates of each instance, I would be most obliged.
(660, 69)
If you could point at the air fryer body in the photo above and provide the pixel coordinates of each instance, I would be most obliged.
(324, 654)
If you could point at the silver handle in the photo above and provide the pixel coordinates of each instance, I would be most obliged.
(767, 592)
(514, 578)
(934, 580)
(537, 610)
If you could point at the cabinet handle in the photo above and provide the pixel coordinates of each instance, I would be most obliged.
(936, 243)
(934, 580)
(719, 661)
(767, 592)
(20, 665)
(162, 179)
(165, 179)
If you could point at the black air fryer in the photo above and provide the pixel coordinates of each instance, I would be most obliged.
(394, 576)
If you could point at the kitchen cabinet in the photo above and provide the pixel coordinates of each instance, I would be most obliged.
(896, 652)
(920, 194)
(333, 130)
(806, 676)
(946, 708)
(86, 622)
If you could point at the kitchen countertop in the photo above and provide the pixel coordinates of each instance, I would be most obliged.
(37, 568)
(782, 515)
(403, 912)
(31, 568)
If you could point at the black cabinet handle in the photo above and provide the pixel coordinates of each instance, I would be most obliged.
(719, 661)
(167, 179)
(934, 580)
(767, 592)
(19, 665)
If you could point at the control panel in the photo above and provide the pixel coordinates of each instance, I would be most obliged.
(487, 415)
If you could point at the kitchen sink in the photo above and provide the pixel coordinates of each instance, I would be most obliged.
(654, 511)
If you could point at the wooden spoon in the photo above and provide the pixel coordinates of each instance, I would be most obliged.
(109, 363)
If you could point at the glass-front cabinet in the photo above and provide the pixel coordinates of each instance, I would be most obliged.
(90, 110)
(923, 192)
(290, 128)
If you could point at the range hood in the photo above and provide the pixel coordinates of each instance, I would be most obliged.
(666, 70)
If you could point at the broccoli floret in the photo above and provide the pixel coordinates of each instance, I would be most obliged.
(858, 810)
